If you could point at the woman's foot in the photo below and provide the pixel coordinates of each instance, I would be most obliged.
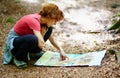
(19, 64)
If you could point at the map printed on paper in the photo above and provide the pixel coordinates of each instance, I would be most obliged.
(88, 59)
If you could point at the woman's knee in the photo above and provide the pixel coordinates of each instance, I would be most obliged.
(48, 33)
(26, 39)
(31, 39)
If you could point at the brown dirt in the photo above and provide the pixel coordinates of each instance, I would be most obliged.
(109, 68)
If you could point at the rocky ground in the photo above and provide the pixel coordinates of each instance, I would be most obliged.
(82, 30)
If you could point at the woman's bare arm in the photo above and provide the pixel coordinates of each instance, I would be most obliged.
(41, 42)
(54, 43)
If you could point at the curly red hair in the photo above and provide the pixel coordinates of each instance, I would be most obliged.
(51, 11)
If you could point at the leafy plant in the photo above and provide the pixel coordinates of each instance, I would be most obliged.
(10, 20)
(116, 25)
(115, 5)
(118, 14)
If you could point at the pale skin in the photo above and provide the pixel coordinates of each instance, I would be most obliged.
(41, 43)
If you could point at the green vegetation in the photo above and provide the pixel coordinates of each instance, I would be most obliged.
(10, 20)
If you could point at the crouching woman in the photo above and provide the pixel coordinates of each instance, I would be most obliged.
(30, 33)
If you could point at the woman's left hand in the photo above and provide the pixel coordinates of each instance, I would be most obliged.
(63, 56)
